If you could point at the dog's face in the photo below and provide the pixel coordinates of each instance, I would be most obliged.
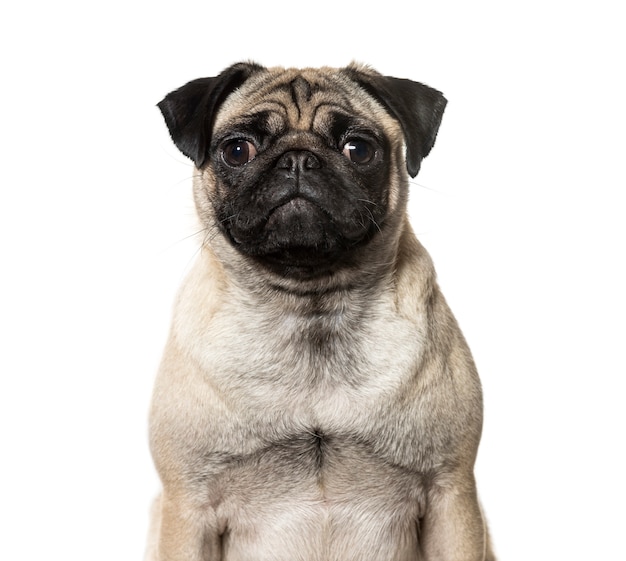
(302, 169)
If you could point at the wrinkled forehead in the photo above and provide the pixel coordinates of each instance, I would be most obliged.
(309, 99)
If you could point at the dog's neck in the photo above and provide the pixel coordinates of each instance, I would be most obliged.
(263, 284)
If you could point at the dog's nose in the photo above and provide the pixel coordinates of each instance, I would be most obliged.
(298, 160)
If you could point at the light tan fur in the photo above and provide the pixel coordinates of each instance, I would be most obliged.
(269, 449)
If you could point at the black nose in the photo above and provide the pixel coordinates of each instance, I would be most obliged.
(298, 160)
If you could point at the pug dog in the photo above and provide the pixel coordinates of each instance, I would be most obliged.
(316, 399)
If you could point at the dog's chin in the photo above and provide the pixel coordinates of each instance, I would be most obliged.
(300, 240)
(301, 263)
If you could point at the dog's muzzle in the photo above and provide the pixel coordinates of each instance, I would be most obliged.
(300, 213)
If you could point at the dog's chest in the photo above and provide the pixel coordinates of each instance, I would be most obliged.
(315, 435)
(292, 496)
(318, 415)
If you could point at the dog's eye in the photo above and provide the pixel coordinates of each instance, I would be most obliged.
(358, 151)
(238, 152)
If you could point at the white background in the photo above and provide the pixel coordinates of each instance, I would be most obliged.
(520, 204)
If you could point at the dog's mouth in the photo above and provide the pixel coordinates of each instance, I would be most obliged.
(298, 237)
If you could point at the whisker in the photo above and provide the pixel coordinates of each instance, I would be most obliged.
(425, 187)
(194, 234)
(372, 219)
(367, 201)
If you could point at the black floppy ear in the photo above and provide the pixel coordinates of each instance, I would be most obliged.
(189, 111)
(418, 108)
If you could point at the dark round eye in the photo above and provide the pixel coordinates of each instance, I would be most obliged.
(358, 151)
(238, 152)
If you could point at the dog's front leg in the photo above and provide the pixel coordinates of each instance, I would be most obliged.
(187, 532)
(453, 528)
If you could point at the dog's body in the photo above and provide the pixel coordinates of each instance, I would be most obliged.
(316, 399)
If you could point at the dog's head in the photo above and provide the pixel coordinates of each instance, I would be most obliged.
(302, 169)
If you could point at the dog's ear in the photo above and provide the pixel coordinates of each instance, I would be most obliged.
(418, 108)
(189, 111)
